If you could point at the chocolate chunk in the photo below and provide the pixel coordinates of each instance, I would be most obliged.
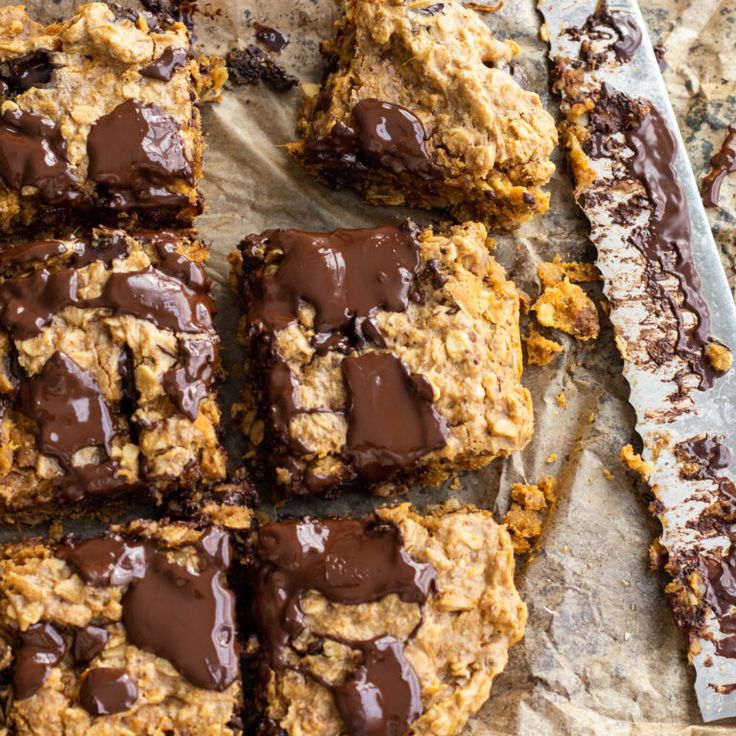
(135, 151)
(392, 137)
(252, 65)
(105, 560)
(516, 72)
(430, 10)
(29, 70)
(722, 164)
(181, 11)
(345, 275)
(164, 67)
(41, 648)
(187, 617)
(33, 153)
(88, 643)
(107, 690)
(188, 385)
(271, 38)
(384, 669)
(391, 419)
(347, 561)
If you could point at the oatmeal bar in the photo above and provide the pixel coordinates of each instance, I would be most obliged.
(421, 106)
(385, 356)
(133, 632)
(394, 625)
(108, 370)
(97, 119)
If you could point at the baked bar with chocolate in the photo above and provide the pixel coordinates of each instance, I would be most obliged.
(108, 370)
(393, 625)
(98, 119)
(385, 356)
(420, 106)
(133, 632)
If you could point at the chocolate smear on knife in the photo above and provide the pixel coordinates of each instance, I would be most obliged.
(349, 562)
(135, 152)
(391, 417)
(41, 648)
(33, 154)
(166, 65)
(666, 240)
(617, 26)
(107, 690)
(272, 38)
(722, 164)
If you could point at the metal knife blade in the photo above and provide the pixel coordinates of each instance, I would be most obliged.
(686, 426)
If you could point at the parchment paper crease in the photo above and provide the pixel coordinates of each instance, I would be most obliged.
(601, 653)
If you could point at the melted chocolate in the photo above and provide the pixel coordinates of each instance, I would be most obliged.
(105, 561)
(41, 648)
(349, 562)
(39, 250)
(173, 263)
(707, 452)
(188, 385)
(71, 413)
(392, 137)
(107, 690)
(187, 617)
(134, 152)
(88, 643)
(271, 38)
(105, 250)
(153, 296)
(33, 153)
(346, 275)
(391, 419)
(722, 164)
(383, 696)
(666, 242)
(29, 70)
(164, 67)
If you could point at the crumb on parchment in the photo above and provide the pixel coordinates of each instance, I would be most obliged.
(635, 462)
(525, 518)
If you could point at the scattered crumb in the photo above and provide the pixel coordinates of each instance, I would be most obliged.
(608, 474)
(551, 273)
(719, 356)
(252, 65)
(455, 485)
(525, 517)
(657, 555)
(540, 350)
(566, 307)
(211, 78)
(636, 463)
(480, 8)
(561, 400)
(544, 33)
(552, 458)
(56, 530)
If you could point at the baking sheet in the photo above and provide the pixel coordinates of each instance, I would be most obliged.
(601, 653)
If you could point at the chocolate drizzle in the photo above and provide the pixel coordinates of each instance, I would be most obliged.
(183, 616)
(39, 250)
(349, 562)
(346, 275)
(135, 152)
(188, 385)
(666, 241)
(41, 648)
(33, 153)
(722, 164)
(272, 38)
(164, 67)
(107, 690)
(391, 418)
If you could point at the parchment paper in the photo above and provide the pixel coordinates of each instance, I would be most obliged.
(601, 653)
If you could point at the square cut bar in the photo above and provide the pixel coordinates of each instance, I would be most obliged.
(133, 632)
(98, 119)
(386, 356)
(397, 624)
(421, 105)
(109, 363)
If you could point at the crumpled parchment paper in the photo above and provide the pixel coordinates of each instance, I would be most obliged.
(601, 653)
